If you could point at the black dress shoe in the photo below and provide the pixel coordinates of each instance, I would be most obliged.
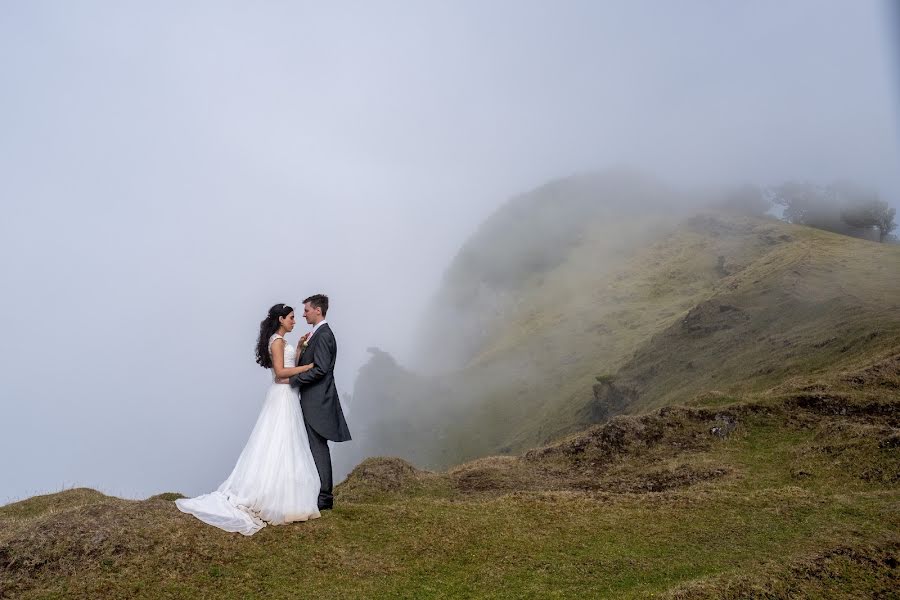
(326, 506)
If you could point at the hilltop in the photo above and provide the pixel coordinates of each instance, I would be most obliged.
(602, 295)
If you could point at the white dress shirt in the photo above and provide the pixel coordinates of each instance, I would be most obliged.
(315, 329)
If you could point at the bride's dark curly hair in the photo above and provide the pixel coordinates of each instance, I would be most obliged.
(267, 327)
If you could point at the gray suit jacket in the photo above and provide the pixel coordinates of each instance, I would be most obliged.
(318, 394)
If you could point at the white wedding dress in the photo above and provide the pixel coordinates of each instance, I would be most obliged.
(275, 479)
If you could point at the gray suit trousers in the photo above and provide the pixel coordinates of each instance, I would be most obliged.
(322, 455)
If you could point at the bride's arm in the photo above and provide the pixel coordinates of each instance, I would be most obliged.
(323, 355)
(278, 362)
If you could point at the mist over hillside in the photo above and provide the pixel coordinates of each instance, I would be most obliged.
(680, 380)
(780, 482)
(531, 235)
(612, 292)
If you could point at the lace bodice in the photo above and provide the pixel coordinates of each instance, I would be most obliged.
(290, 354)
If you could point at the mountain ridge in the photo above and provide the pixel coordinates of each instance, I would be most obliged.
(654, 303)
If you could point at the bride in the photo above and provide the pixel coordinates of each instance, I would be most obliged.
(275, 479)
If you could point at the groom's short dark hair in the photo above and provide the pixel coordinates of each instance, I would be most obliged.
(318, 301)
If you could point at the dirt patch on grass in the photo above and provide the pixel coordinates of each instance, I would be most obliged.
(386, 473)
(48, 503)
(377, 477)
(620, 456)
(516, 475)
(662, 480)
(884, 373)
(167, 496)
(845, 571)
(498, 474)
(885, 409)
(711, 316)
(677, 428)
(59, 543)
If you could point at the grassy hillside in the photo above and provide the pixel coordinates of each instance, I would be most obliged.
(535, 234)
(813, 303)
(788, 492)
(658, 305)
(657, 405)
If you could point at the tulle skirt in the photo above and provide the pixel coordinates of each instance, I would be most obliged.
(275, 479)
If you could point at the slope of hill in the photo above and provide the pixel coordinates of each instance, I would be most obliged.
(683, 406)
(609, 214)
(656, 304)
(819, 302)
(789, 492)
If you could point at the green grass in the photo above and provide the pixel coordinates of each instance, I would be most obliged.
(759, 455)
(720, 305)
(794, 498)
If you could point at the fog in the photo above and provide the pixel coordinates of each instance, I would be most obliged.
(169, 171)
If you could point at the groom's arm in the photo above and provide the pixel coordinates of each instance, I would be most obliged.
(322, 358)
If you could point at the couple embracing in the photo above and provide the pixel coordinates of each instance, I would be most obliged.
(284, 471)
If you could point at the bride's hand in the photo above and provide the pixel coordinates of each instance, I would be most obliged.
(303, 338)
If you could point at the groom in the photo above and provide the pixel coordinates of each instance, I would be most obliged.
(318, 394)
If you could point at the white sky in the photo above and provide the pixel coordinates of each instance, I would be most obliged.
(168, 171)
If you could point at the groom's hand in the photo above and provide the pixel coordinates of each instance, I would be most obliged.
(322, 355)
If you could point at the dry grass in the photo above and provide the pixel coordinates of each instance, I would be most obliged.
(862, 571)
(733, 304)
(771, 471)
(788, 493)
